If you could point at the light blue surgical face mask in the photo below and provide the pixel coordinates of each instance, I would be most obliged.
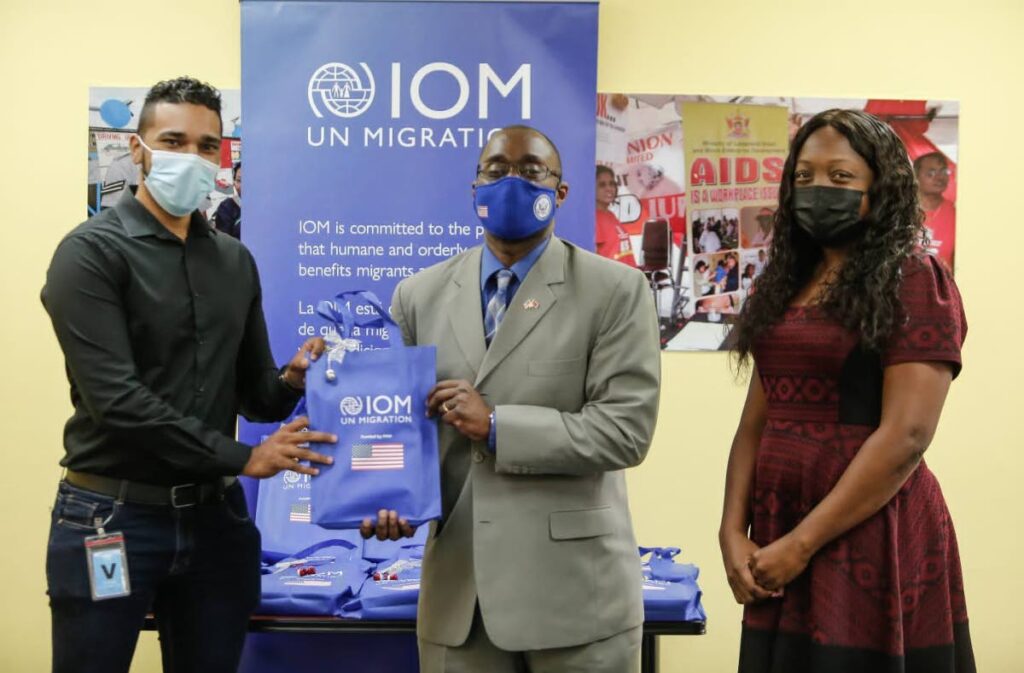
(179, 181)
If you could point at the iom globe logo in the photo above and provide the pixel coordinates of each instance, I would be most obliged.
(351, 406)
(338, 89)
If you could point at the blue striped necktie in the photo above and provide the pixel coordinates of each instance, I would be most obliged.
(496, 306)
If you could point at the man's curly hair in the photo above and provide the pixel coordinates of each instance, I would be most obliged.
(179, 90)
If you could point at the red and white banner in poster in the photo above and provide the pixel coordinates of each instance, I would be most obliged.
(655, 173)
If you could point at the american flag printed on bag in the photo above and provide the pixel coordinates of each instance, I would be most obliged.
(378, 456)
(300, 512)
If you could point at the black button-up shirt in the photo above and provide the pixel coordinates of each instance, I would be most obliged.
(165, 343)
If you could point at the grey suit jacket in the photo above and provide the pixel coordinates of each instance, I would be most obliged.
(539, 532)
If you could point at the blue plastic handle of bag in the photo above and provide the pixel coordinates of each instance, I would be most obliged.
(660, 552)
(339, 313)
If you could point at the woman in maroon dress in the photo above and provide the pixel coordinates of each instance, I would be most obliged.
(835, 534)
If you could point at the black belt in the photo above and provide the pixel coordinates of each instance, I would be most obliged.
(182, 495)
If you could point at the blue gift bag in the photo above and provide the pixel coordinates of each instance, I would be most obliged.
(314, 581)
(374, 400)
(666, 601)
(670, 589)
(284, 517)
(392, 590)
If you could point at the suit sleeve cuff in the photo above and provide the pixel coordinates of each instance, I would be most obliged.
(492, 435)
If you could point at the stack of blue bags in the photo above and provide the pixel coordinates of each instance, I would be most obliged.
(315, 581)
(311, 570)
(391, 590)
(346, 577)
(671, 593)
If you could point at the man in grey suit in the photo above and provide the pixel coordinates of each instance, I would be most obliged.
(549, 368)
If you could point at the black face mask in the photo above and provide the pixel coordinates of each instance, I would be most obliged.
(830, 215)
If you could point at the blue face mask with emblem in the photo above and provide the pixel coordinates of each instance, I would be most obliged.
(179, 181)
(513, 208)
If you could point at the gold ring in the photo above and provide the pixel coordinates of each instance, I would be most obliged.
(445, 408)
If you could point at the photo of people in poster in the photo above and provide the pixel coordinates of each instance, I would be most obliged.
(113, 120)
(687, 188)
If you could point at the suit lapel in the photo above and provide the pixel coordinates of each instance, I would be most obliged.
(465, 313)
(532, 301)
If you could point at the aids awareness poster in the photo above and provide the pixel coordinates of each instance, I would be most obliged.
(734, 157)
(364, 123)
(725, 154)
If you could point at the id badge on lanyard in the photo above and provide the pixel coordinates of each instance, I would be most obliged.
(108, 565)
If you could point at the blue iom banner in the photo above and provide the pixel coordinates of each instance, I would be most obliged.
(364, 122)
(363, 125)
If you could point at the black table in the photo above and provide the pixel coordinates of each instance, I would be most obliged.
(648, 652)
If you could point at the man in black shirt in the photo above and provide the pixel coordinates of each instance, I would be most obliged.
(160, 320)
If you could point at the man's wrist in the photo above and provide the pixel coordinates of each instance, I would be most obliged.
(283, 378)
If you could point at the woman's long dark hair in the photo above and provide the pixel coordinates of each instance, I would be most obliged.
(865, 294)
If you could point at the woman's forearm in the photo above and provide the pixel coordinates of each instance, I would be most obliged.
(739, 476)
(872, 479)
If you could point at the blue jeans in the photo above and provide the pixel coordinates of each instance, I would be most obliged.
(196, 568)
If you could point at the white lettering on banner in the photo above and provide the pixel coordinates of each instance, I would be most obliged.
(396, 91)
(375, 273)
(314, 226)
(336, 137)
(487, 77)
(339, 90)
(337, 249)
(403, 136)
(412, 137)
(521, 76)
(426, 110)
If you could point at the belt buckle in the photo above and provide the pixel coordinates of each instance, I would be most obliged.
(174, 496)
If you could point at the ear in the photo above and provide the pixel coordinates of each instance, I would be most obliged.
(561, 193)
(136, 148)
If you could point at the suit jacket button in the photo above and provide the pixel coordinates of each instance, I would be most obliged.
(478, 457)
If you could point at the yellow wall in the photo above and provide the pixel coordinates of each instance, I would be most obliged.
(51, 52)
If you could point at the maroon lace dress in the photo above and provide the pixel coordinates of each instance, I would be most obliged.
(887, 596)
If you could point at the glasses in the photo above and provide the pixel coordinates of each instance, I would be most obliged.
(529, 170)
(935, 172)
